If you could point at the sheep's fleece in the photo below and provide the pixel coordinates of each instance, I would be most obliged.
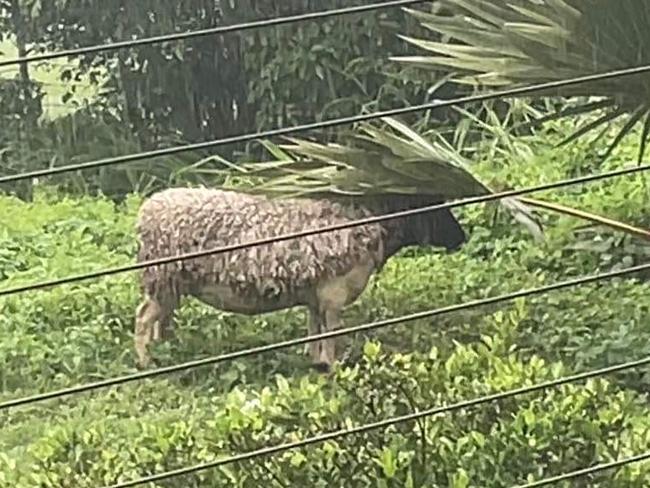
(179, 220)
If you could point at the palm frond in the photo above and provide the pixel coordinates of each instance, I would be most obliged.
(377, 159)
(505, 44)
(590, 217)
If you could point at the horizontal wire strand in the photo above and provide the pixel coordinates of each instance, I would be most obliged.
(524, 90)
(272, 450)
(178, 36)
(587, 471)
(321, 230)
(317, 337)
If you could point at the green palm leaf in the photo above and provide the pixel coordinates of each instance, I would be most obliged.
(376, 159)
(505, 44)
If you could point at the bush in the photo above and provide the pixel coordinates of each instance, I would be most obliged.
(160, 426)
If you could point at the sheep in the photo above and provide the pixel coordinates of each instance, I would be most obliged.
(323, 272)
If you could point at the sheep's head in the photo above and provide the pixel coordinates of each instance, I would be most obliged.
(438, 228)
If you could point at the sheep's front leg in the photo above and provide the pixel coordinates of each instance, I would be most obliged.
(314, 347)
(164, 329)
(148, 318)
(327, 357)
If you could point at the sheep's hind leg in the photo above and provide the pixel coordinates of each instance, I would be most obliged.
(148, 318)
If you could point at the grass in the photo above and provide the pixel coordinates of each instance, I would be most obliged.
(79, 333)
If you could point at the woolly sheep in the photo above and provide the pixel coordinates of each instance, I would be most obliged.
(323, 272)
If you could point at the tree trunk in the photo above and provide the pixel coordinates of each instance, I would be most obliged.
(24, 189)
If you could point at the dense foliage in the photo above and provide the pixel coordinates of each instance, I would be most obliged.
(60, 337)
(200, 89)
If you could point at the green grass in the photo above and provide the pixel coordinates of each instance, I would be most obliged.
(57, 338)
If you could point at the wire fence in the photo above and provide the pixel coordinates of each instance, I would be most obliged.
(227, 29)
(598, 468)
(310, 441)
(317, 337)
(323, 229)
(494, 95)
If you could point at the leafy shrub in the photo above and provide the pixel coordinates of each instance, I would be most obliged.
(159, 426)
(198, 89)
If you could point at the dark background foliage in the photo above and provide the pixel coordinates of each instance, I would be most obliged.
(203, 88)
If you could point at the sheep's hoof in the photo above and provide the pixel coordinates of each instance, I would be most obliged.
(142, 365)
(322, 367)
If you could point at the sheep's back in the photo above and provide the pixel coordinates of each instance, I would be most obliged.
(180, 221)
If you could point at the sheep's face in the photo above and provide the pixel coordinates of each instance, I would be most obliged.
(439, 228)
